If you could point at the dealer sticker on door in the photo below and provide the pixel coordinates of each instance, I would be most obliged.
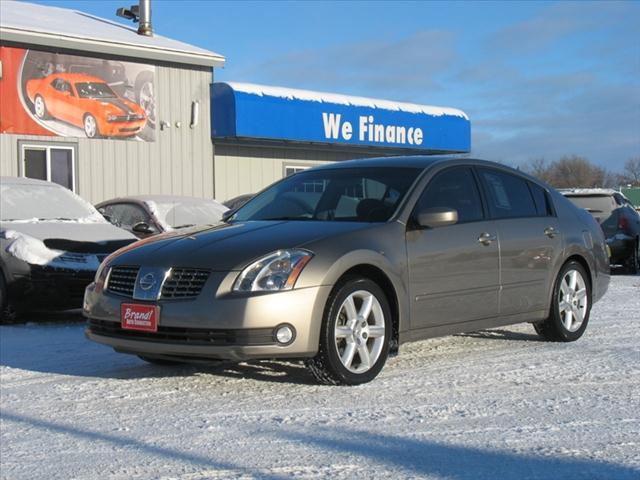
(139, 317)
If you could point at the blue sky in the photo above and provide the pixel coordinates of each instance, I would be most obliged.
(537, 79)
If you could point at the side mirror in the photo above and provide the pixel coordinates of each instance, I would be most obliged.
(227, 214)
(142, 227)
(437, 217)
(108, 218)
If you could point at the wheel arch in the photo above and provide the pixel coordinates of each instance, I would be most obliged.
(379, 277)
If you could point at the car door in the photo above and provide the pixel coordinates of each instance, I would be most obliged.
(67, 104)
(454, 269)
(53, 97)
(530, 239)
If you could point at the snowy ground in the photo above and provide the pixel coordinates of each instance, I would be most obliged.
(495, 404)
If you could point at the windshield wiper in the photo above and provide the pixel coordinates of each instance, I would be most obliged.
(65, 219)
(186, 225)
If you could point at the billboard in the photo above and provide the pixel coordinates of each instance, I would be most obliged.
(55, 94)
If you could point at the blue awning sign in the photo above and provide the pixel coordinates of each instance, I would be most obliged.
(273, 113)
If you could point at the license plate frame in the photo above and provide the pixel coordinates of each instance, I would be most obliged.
(140, 317)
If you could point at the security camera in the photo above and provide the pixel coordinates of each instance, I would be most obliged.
(131, 13)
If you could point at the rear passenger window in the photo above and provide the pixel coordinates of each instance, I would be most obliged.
(543, 209)
(454, 188)
(508, 195)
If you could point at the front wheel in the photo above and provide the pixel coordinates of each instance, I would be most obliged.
(354, 338)
(91, 126)
(570, 305)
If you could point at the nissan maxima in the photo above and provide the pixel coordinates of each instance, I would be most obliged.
(341, 264)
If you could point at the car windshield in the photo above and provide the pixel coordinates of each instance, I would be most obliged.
(186, 214)
(594, 203)
(94, 90)
(369, 194)
(43, 202)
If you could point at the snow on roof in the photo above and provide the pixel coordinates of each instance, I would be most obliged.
(336, 98)
(64, 28)
(587, 191)
(27, 181)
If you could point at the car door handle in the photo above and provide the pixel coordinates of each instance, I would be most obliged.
(550, 232)
(486, 238)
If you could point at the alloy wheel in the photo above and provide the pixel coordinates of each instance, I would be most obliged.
(90, 127)
(360, 331)
(39, 106)
(572, 300)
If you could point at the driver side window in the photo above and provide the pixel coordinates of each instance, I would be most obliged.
(454, 188)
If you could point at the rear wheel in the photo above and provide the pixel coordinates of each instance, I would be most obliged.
(40, 108)
(570, 305)
(633, 264)
(354, 339)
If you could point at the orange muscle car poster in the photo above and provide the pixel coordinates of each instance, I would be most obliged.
(71, 96)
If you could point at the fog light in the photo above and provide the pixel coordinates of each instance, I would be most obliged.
(284, 334)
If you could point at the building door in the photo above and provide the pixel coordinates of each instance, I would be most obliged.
(52, 163)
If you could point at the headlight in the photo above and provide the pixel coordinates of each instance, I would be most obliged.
(112, 118)
(276, 271)
(101, 273)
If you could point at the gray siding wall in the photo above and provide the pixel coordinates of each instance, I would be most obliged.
(243, 169)
(179, 162)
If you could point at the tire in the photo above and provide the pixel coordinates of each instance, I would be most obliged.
(568, 303)
(345, 335)
(160, 361)
(8, 314)
(145, 96)
(90, 125)
(40, 108)
(633, 264)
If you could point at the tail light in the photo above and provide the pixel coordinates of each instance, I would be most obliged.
(623, 222)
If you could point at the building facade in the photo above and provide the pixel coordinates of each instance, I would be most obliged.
(164, 81)
(90, 104)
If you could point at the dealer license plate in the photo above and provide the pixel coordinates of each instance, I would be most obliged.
(139, 317)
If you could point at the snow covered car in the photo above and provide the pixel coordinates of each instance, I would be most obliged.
(342, 263)
(51, 244)
(619, 221)
(146, 215)
(86, 102)
(236, 202)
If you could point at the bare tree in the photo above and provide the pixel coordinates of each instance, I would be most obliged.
(577, 172)
(632, 171)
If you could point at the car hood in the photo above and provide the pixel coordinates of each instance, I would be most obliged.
(226, 247)
(94, 237)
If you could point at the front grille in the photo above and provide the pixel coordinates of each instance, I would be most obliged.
(130, 129)
(184, 283)
(122, 280)
(186, 336)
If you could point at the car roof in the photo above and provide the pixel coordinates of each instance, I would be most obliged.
(578, 192)
(158, 198)
(421, 161)
(27, 181)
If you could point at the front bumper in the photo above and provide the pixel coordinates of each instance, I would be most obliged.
(227, 327)
(41, 287)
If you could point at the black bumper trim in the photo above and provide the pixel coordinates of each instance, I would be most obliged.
(186, 336)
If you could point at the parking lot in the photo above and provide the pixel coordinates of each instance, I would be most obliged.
(492, 404)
